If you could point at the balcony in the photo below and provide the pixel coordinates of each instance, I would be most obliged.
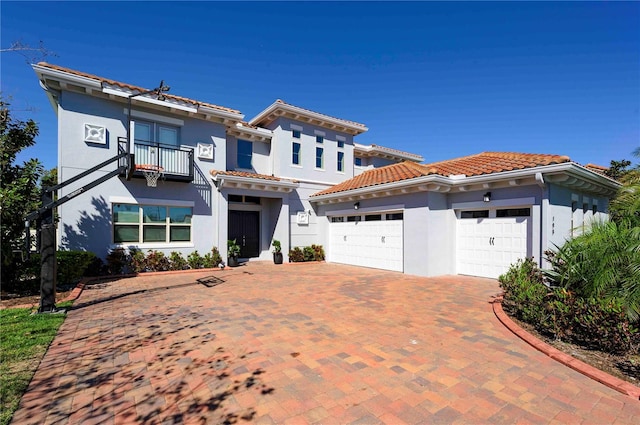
(176, 162)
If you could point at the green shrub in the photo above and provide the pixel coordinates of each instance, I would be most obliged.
(117, 261)
(594, 323)
(524, 291)
(307, 253)
(195, 260)
(601, 263)
(296, 255)
(73, 265)
(211, 259)
(156, 261)
(138, 261)
(318, 252)
(177, 261)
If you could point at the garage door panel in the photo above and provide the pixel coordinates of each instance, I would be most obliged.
(486, 247)
(375, 244)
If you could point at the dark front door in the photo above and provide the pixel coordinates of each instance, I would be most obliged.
(244, 227)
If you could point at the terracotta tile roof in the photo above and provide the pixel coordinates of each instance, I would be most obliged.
(134, 88)
(493, 162)
(282, 102)
(389, 174)
(473, 165)
(597, 168)
(244, 174)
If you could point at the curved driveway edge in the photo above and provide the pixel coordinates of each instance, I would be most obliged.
(604, 378)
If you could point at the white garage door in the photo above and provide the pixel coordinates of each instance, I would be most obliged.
(487, 246)
(376, 244)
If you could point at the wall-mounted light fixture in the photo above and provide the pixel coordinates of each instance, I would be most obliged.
(356, 205)
(486, 197)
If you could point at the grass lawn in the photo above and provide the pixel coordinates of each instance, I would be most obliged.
(24, 339)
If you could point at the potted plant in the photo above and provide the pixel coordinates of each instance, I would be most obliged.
(233, 251)
(277, 252)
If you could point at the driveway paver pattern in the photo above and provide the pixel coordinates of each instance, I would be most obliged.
(316, 343)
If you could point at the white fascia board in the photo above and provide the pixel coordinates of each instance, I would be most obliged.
(144, 99)
(369, 149)
(300, 111)
(565, 167)
(568, 167)
(220, 113)
(251, 180)
(383, 187)
(260, 132)
(65, 76)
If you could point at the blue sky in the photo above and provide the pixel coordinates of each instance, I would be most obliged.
(439, 79)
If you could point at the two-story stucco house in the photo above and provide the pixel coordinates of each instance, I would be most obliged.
(298, 176)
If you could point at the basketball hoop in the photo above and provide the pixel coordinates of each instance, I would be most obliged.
(151, 173)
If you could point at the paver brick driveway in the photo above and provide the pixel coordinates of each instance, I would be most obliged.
(317, 343)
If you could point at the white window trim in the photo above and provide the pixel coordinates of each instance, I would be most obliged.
(299, 164)
(150, 201)
(341, 138)
(319, 133)
(315, 158)
(155, 117)
(295, 127)
(156, 244)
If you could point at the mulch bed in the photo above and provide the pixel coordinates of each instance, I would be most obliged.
(624, 367)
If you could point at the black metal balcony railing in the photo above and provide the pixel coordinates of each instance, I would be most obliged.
(177, 163)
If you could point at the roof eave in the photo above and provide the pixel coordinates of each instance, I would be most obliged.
(229, 181)
(274, 107)
(589, 181)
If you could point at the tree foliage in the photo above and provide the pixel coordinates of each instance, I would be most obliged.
(19, 191)
(626, 205)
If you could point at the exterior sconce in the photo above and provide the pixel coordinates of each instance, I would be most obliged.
(356, 205)
(486, 197)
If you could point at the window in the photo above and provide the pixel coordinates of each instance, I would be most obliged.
(151, 132)
(373, 217)
(358, 161)
(296, 134)
(341, 143)
(340, 161)
(514, 212)
(594, 208)
(319, 157)
(244, 199)
(337, 219)
(319, 139)
(395, 216)
(475, 214)
(245, 151)
(295, 153)
(151, 223)
(354, 218)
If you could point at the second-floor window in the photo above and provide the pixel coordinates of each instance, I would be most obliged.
(296, 134)
(153, 132)
(295, 153)
(319, 157)
(245, 151)
(340, 161)
(358, 161)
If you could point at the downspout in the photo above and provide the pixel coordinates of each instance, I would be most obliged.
(544, 206)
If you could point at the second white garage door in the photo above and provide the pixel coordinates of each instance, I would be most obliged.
(377, 244)
(486, 247)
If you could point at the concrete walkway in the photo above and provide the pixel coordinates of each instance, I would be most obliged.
(296, 344)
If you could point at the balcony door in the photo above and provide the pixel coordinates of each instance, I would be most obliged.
(244, 227)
